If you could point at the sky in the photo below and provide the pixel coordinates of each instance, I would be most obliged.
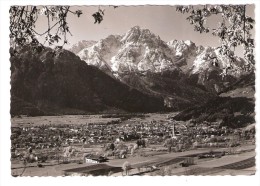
(164, 21)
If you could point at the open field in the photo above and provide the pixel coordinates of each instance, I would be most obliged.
(60, 120)
(84, 119)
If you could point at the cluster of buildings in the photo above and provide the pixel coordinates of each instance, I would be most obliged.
(166, 133)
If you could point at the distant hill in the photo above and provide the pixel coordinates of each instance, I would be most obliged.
(57, 81)
(178, 92)
(234, 107)
(21, 107)
(243, 87)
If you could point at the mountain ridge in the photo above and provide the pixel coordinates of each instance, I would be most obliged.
(234, 107)
(140, 51)
(60, 79)
(134, 72)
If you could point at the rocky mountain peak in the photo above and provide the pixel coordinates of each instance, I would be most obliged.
(141, 51)
(139, 35)
(77, 47)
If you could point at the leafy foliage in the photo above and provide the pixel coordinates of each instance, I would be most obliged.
(98, 16)
(24, 18)
(233, 31)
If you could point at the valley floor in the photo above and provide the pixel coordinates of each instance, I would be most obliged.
(152, 159)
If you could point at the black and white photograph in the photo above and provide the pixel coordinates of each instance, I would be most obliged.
(132, 90)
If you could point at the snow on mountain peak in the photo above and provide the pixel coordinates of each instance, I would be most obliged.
(101, 53)
(140, 50)
(77, 47)
(137, 50)
(132, 35)
(189, 42)
(211, 59)
(182, 47)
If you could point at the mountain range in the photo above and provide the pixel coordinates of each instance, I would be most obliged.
(140, 51)
(180, 71)
(133, 72)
